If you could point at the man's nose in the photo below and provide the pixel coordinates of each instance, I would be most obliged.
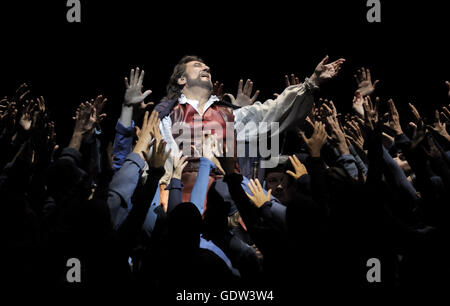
(206, 68)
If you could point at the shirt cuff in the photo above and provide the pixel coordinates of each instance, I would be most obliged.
(310, 86)
(135, 158)
(175, 184)
(126, 131)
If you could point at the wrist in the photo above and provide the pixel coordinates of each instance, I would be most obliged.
(314, 80)
(77, 133)
(343, 149)
(315, 153)
(398, 132)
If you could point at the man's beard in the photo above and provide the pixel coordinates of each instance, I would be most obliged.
(199, 83)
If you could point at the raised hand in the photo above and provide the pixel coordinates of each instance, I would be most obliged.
(434, 151)
(364, 81)
(243, 97)
(418, 133)
(8, 110)
(21, 92)
(317, 140)
(439, 127)
(327, 108)
(293, 81)
(179, 162)
(288, 82)
(445, 113)
(27, 119)
(326, 71)
(299, 168)
(85, 118)
(354, 134)
(370, 112)
(415, 113)
(358, 102)
(259, 197)
(393, 119)
(337, 135)
(144, 135)
(133, 93)
(218, 89)
(159, 155)
(98, 104)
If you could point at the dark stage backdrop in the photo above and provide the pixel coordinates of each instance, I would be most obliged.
(262, 40)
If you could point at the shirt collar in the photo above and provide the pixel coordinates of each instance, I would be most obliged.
(195, 103)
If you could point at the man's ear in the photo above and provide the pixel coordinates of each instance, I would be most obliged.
(181, 81)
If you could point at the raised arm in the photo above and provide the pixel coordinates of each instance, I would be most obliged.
(291, 106)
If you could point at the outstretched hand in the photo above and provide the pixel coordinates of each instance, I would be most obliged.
(243, 97)
(144, 135)
(364, 82)
(179, 162)
(299, 168)
(259, 197)
(133, 93)
(85, 117)
(326, 71)
(317, 140)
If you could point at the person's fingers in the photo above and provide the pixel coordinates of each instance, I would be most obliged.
(145, 121)
(136, 76)
(324, 60)
(302, 134)
(250, 197)
(131, 77)
(162, 146)
(232, 98)
(141, 78)
(368, 76)
(251, 187)
(246, 86)
(297, 160)
(250, 88)
(364, 74)
(255, 96)
(290, 173)
(436, 117)
(258, 185)
(291, 160)
(145, 94)
(292, 79)
(286, 81)
(269, 193)
(240, 85)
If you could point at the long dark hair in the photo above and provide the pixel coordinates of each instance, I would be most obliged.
(173, 89)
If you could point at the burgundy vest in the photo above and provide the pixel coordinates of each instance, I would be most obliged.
(214, 116)
(214, 119)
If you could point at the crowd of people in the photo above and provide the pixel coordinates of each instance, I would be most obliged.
(139, 213)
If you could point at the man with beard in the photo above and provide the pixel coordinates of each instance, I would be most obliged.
(189, 98)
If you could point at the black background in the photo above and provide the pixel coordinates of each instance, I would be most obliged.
(262, 40)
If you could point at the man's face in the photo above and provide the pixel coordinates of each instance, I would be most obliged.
(279, 183)
(197, 74)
